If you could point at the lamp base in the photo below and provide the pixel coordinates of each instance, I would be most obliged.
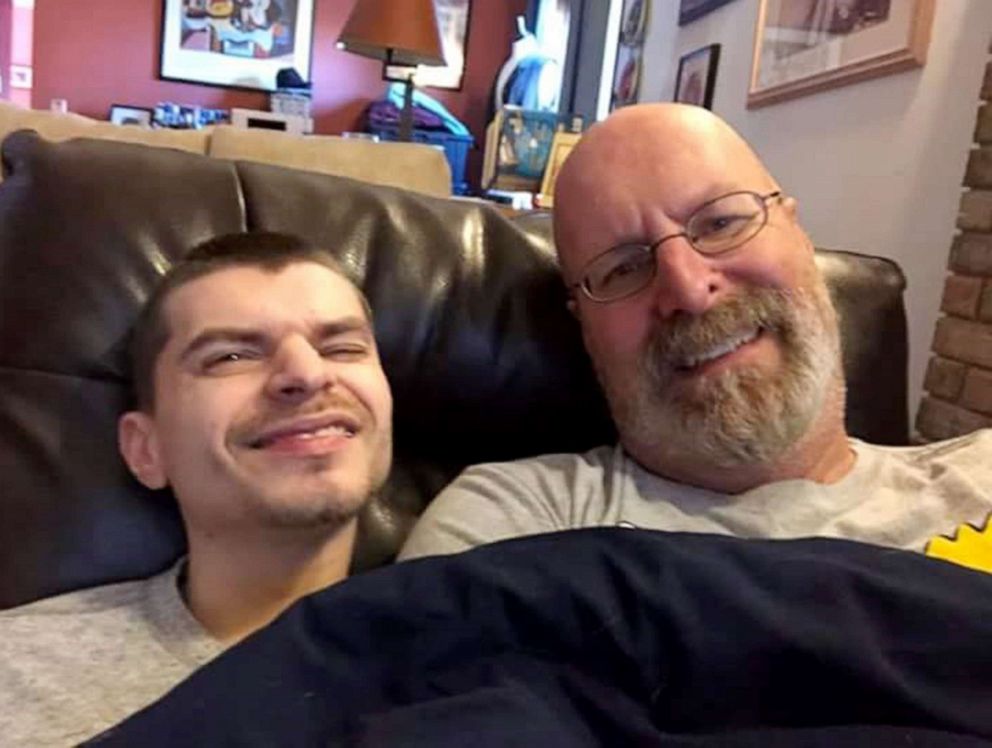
(406, 114)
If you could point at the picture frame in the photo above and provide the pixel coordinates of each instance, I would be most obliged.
(809, 46)
(561, 147)
(523, 144)
(21, 76)
(690, 10)
(125, 114)
(633, 21)
(626, 77)
(453, 20)
(696, 77)
(235, 44)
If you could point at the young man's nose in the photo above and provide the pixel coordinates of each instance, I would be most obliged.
(686, 280)
(298, 370)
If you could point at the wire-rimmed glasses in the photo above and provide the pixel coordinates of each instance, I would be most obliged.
(715, 227)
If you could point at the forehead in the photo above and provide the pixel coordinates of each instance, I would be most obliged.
(300, 293)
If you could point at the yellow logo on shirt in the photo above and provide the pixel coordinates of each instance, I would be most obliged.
(968, 546)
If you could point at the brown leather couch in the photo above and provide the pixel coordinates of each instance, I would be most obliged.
(484, 360)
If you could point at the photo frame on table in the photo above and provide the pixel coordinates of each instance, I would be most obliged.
(235, 44)
(125, 114)
(561, 147)
(804, 47)
(453, 18)
(690, 10)
(696, 78)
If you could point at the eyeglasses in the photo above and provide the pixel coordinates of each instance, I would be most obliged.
(715, 227)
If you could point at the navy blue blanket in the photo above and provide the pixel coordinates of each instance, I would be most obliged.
(609, 637)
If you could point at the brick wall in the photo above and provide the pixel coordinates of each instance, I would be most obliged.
(959, 376)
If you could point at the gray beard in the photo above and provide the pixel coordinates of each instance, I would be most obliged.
(746, 416)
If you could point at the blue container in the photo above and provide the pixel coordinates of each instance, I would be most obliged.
(455, 150)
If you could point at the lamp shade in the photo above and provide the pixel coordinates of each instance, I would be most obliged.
(402, 32)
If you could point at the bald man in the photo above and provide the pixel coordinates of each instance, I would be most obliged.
(717, 347)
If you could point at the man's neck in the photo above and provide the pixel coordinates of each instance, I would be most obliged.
(236, 585)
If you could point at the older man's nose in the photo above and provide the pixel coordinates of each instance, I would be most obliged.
(299, 371)
(686, 280)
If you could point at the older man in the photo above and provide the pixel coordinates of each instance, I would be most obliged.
(715, 342)
(262, 404)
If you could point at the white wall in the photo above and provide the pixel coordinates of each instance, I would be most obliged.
(876, 166)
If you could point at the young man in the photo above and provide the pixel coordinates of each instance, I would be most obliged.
(262, 404)
(715, 341)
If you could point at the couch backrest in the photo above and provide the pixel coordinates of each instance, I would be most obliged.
(413, 166)
(484, 360)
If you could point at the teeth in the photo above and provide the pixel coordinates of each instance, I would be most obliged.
(326, 431)
(334, 430)
(721, 350)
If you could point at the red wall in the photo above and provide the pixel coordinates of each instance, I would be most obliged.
(101, 52)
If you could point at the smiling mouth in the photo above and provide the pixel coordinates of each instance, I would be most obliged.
(301, 436)
(697, 361)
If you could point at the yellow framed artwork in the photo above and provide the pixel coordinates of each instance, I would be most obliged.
(561, 147)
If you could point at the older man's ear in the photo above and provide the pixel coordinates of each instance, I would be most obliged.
(138, 445)
(572, 306)
(791, 207)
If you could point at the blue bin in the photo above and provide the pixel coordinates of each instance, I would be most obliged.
(455, 150)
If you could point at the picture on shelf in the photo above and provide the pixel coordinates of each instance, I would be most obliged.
(561, 147)
(524, 145)
(236, 43)
(123, 114)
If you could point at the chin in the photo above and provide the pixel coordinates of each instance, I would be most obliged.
(326, 506)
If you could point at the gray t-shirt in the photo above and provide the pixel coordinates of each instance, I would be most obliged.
(73, 665)
(900, 497)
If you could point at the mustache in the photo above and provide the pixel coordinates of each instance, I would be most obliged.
(683, 337)
(333, 401)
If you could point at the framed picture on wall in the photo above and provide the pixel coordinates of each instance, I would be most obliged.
(690, 10)
(804, 46)
(453, 23)
(236, 43)
(696, 78)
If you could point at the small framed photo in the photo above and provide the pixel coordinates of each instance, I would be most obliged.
(21, 76)
(696, 79)
(123, 114)
(690, 10)
(561, 147)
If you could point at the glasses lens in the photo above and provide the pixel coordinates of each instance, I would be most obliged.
(727, 222)
(619, 272)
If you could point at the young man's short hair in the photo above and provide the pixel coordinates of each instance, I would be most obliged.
(264, 250)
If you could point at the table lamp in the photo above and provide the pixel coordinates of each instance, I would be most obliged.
(400, 33)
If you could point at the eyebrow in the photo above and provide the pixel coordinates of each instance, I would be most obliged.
(256, 337)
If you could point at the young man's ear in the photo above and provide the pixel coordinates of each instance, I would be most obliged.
(138, 445)
(572, 306)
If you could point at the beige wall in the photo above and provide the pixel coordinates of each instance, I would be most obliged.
(877, 166)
